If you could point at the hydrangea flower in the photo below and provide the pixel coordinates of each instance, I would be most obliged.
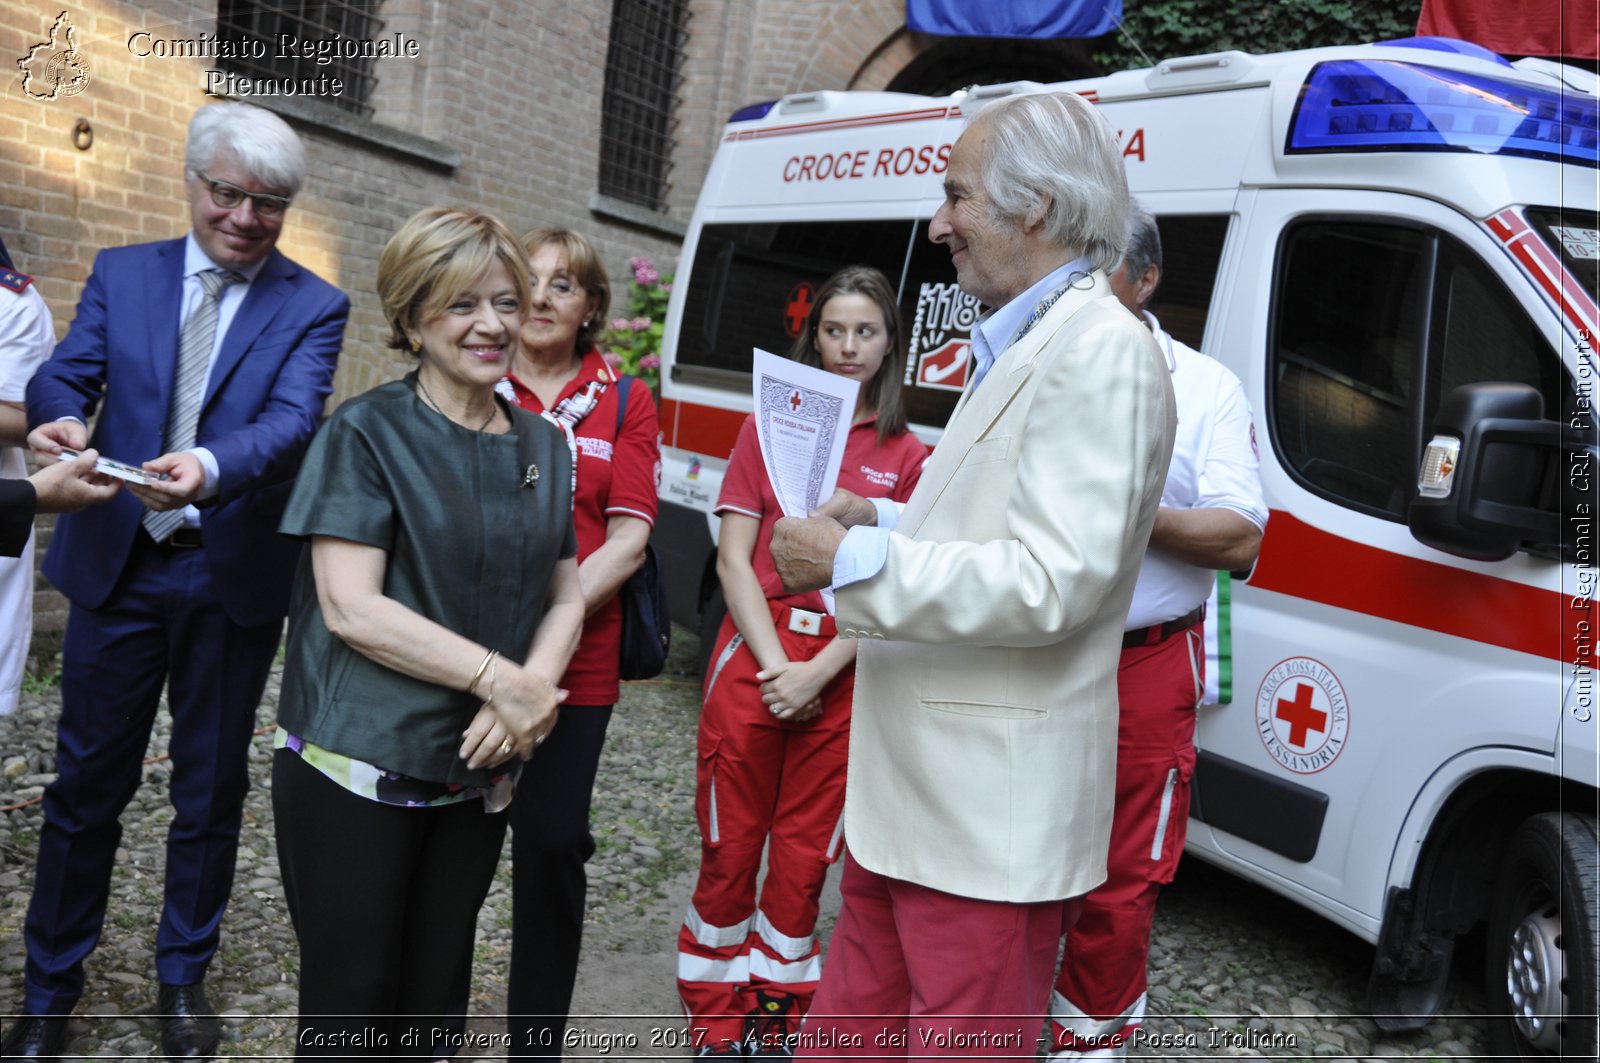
(644, 272)
(634, 342)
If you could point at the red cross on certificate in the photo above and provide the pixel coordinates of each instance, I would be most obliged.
(795, 402)
(1300, 716)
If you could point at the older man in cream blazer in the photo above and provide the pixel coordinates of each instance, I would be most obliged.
(990, 612)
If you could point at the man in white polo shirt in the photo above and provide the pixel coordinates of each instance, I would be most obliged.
(1211, 517)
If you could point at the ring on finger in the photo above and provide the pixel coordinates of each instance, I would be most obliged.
(540, 740)
(505, 747)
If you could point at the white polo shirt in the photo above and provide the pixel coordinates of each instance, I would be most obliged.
(1214, 464)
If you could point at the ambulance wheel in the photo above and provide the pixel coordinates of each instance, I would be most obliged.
(711, 615)
(1541, 947)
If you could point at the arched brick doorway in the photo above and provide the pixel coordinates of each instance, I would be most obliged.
(957, 62)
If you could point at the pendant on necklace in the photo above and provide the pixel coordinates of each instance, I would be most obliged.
(530, 478)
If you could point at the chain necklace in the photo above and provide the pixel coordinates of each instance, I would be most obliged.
(431, 401)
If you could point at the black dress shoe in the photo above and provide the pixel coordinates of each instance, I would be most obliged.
(189, 1028)
(34, 1037)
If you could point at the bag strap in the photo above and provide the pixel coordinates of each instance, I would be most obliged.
(623, 381)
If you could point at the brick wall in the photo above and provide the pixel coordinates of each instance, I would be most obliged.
(508, 93)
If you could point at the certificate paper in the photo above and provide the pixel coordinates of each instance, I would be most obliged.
(803, 417)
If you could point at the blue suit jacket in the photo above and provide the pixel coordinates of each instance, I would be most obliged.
(263, 403)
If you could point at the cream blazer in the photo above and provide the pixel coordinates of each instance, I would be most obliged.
(984, 740)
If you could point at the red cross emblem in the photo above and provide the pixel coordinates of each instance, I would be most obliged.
(805, 623)
(1304, 728)
(799, 305)
(795, 402)
(1300, 716)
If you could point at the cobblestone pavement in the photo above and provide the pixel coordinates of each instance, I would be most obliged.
(1235, 971)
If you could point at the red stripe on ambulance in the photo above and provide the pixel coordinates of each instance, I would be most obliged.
(1306, 562)
(841, 123)
(707, 430)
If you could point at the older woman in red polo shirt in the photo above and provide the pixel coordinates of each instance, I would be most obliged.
(616, 458)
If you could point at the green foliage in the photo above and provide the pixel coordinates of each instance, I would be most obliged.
(40, 683)
(632, 344)
(1168, 28)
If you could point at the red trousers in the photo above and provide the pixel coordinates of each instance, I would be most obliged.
(761, 783)
(917, 974)
(1100, 994)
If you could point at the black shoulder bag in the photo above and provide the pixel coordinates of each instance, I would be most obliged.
(646, 624)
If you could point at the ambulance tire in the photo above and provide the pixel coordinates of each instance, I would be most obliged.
(1541, 921)
(711, 615)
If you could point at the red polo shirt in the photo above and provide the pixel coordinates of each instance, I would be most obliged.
(618, 474)
(868, 469)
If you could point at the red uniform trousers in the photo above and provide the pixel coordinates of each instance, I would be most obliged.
(915, 974)
(1100, 994)
(761, 782)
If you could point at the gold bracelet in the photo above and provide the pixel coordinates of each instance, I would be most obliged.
(477, 677)
(494, 666)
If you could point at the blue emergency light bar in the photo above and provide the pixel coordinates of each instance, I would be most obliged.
(1382, 105)
(751, 112)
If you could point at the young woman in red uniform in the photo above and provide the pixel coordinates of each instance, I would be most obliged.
(616, 455)
(774, 732)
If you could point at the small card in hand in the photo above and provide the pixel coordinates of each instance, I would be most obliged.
(120, 469)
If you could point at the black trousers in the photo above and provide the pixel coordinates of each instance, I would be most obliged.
(385, 902)
(550, 842)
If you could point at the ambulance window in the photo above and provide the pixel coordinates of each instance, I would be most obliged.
(1191, 248)
(1575, 236)
(751, 286)
(1347, 322)
(1481, 335)
(1485, 335)
(1372, 324)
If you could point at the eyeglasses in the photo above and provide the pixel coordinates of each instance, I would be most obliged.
(229, 196)
(560, 287)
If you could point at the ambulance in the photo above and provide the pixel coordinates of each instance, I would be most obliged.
(1395, 247)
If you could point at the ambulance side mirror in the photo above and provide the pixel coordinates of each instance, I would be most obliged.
(1487, 487)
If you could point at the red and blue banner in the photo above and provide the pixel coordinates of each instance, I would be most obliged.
(1034, 19)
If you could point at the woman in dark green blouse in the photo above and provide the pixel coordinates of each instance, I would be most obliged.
(437, 605)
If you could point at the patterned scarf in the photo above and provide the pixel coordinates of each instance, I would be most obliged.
(566, 415)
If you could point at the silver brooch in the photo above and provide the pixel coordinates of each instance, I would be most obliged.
(530, 478)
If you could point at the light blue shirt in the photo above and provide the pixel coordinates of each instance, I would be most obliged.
(864, 550)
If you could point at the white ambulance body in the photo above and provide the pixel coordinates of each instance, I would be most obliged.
(1407, 743)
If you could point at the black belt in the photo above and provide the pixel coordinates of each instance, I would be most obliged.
(185, 538)
(1149, 636)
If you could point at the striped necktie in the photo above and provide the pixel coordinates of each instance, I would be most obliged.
(195, 340)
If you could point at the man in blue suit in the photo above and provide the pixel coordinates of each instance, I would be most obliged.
(216, 353)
